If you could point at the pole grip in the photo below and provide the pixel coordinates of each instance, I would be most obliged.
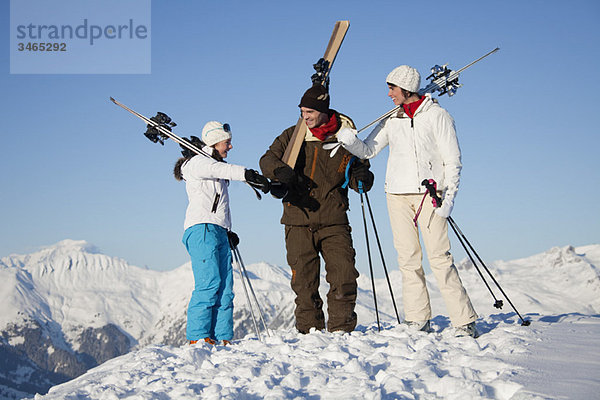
(431, 187)
(347, 176)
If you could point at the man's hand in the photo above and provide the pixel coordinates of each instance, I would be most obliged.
(360, 172)
(286, 175)
(279, 190)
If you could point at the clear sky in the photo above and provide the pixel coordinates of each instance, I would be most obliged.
(75, 166)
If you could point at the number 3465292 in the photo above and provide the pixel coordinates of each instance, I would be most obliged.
(42, 46)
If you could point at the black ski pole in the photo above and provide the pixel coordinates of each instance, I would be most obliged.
(362, 204)
(382, 258)
(497, 303)
(455, 226)
(437, 202)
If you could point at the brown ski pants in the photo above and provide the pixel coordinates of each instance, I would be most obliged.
(334, 244)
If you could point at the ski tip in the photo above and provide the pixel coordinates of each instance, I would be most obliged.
(112, 99)
(342, 26)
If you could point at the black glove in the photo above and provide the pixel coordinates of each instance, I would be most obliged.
(257, 181)
(278, 190)
(234, 239)
(360, 172)
(286, 175)
(297, 184)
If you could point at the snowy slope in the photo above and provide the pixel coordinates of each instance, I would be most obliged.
(67, 308)
(557, 290)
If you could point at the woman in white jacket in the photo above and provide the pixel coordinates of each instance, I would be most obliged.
(423, 145)
(208, 232)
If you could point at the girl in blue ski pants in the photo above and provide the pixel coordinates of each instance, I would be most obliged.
(210, 310)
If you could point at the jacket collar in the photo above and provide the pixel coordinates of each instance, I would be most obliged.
(428, 101)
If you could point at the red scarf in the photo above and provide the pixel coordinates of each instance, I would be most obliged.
(327, 129)
(411, 108)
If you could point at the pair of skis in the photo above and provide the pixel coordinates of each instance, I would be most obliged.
(442, 80)
(321, 76)
(159, 128)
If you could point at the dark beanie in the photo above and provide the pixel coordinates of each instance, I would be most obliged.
(316, 98)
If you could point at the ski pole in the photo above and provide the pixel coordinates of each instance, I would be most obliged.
(362, 205)
(497, 303)
(382, 258)
(260, 312)
(456, 228)
(437, 202)
(239, 269)
(431, 187)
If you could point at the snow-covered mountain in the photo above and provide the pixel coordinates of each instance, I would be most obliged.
(68, 308)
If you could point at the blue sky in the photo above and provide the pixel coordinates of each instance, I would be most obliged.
(75, 166)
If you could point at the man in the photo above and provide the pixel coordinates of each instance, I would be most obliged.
(314, 214)
(423, 145)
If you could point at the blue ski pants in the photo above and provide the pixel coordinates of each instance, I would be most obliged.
(210, 310)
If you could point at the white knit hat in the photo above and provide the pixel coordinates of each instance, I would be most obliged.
(215, 132)
(405, 77)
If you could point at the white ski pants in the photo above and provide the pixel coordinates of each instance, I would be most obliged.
(402, 209)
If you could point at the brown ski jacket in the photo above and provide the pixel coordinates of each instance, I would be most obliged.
(319, 200)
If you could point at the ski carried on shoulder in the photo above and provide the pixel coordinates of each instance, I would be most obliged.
(442, 80)
(321, 76)
(159, 129)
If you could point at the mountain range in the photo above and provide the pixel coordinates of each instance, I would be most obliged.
(68, 308)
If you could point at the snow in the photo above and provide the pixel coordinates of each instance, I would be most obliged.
(72, 284)
(362, 365)
(15, 341)
(557, 356)
(569, 353)
(365, 364)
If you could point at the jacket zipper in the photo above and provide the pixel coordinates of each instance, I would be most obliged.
(412, 127)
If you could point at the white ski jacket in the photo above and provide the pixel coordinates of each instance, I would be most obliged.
(422, 148)
(206, 182)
